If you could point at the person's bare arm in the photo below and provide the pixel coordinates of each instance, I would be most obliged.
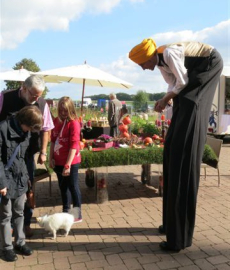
(71, 155)
(44, 136)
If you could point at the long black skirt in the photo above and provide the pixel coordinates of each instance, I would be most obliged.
(184, 146)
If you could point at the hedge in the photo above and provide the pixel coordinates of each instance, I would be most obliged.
(132, 156)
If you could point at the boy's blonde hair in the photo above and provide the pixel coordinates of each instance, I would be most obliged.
(68, 104)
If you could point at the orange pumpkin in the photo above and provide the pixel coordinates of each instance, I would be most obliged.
(126, 120)
(82, 145)
(148, 140)
(123, 128)
(125, 135)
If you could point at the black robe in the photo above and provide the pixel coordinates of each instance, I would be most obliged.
(184, 146)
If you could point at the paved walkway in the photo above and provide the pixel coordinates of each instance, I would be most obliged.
(122, 233)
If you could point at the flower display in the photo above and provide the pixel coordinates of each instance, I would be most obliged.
(105, 138)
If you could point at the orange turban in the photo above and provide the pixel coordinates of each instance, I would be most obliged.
(142, 52)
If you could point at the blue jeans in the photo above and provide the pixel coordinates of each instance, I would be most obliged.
(69, 187)
(28, 212)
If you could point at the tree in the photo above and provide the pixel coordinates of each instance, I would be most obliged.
(156, 96)
(28, 64)
(96, 97)
(124, 97)
(140, 100)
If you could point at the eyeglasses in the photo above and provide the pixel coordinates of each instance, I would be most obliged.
(33, 96)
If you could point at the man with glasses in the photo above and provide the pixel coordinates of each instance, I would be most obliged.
(11, 101)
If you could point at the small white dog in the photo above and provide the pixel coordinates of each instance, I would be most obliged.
(57, 221)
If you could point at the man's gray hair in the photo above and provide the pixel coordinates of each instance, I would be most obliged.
(35, 81)
(112, 95)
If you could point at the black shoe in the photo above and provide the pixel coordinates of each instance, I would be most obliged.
(161, 230)
(9, 255)
(164, 246)
(24, 250)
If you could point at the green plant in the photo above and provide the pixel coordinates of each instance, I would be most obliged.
(151, 129)
(130, 156)
(137, 125)
(141, 127)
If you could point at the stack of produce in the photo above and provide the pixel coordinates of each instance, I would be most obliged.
(124, 127)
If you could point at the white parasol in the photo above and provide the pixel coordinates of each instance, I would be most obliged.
(85, 75)
(19, 75)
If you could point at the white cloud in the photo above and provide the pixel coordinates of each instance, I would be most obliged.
(217, 36)
(20, 18)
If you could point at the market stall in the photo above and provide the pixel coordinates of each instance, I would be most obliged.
(94, 132)
(95, 127)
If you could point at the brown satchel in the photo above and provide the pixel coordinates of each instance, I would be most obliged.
(30, 198)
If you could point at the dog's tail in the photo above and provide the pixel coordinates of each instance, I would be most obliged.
(75, 211)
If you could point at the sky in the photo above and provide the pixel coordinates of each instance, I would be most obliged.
(61, 33)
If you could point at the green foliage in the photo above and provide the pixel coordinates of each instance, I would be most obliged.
(129, 156)
(28, 64)
(121, 156)
(143, 127)
(150, 129)
(137, 125)
(140, 100)
(124, 97)
(209, 156)
(127, 97)
(156, 96)
(120, 96)
(100, 96)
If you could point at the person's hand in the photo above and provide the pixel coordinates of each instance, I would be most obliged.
(3, 191)
(66, 172)
(160, 105)
(41, 158)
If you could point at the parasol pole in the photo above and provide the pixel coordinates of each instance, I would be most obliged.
(82, 98)
(83, 93)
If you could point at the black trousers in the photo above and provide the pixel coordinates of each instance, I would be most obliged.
(113, 131)
(184, 146)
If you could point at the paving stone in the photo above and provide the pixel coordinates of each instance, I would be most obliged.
(218, 259)
(122, 234)
(204, 264)
(168, 264)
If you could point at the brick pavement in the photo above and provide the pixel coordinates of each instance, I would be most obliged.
(122, 233)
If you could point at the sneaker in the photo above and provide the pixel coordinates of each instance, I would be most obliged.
(77, 220)
(9, 255)
(24, 250)
(28, 232)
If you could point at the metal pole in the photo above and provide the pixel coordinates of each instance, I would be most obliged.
(82, 98)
